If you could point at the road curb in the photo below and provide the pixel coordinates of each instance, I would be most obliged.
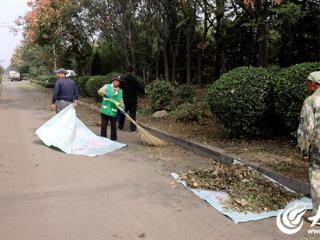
(220, 155)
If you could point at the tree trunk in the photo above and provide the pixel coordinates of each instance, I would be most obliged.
(173, 72)
(262, 45)
(148, 77)
(200, 67)
(188, 50)
(157, 67)
(165, 47)
(174, 53)
(220, 45)
(262, 33)
(203, 41)
(131, 46)
(166, 61)
(125, 51)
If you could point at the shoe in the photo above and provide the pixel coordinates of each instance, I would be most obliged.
(120, 127)
(135, 131)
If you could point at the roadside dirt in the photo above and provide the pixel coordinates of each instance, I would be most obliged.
(278, 153)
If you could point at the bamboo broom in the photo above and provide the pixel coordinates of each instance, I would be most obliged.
(146, 137)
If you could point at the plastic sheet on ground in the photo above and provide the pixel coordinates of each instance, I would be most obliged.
(216, 199)
(66, 132)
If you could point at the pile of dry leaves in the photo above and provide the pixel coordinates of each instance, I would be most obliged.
(249, 191)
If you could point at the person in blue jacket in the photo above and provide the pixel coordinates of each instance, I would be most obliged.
(65, 92)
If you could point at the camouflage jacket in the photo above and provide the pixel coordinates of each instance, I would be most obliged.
(309, 128)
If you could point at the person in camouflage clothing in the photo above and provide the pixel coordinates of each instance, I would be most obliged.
(309, 136)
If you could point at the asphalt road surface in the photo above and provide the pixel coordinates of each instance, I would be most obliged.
(46, 194)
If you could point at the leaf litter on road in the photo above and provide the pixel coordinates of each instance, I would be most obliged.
(248, 190)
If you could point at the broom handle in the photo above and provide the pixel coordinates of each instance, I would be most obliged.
(120, 109)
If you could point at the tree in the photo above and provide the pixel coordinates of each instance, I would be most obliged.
(34, 58)
(250, 2)
(297, 28)
(60, 24)
(114, 20)
(96, 68)
(168, 39)
(259, 11)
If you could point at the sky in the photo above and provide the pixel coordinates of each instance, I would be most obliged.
(10, 10)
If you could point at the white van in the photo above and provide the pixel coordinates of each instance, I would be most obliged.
(14, 76)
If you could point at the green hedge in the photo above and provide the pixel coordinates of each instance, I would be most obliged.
(241, 100)
(81, 83)
(47, 78)
(96, 82)
(47, 81)
(290, 91)
(25, 76)
(184, 94)
(188, 112)
(161, 93)
(43, 84)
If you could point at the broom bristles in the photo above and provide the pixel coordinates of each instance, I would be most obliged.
(146, 137)
(149, 139)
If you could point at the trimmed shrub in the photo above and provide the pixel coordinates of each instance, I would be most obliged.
(24, 76)
(188, 112)
(184, 94)
(290, 91)
(47, 81)
(240, 99)
(81, 83)
(47, 78)
(96, 82)
(161, 94)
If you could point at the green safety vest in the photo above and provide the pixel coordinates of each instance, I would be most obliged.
(109, 108)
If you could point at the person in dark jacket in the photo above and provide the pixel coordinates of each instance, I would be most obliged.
(130, 87)
(65, 92)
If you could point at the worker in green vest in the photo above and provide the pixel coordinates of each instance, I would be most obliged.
(108, 109)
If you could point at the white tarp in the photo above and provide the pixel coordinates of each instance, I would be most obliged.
(66, 132)
(216, 199)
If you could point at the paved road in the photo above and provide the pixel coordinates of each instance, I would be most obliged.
(46, 194)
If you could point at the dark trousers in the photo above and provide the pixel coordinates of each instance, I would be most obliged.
(104, 123)
(132, 109)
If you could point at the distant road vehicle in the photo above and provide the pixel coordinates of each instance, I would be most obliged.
(14, 76)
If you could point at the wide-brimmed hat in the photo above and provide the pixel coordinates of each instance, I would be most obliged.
(61, 70)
